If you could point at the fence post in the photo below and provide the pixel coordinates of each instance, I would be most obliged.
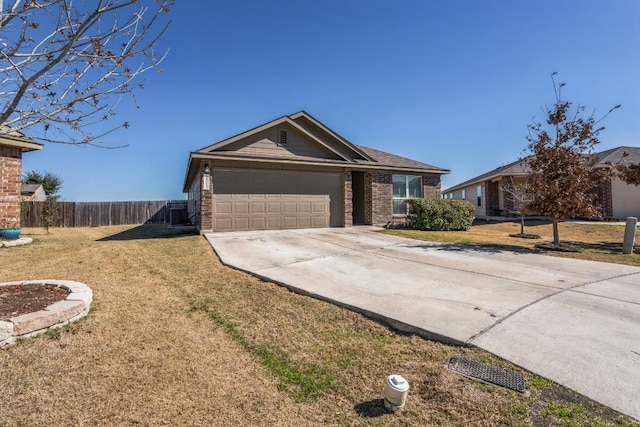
(629, 235)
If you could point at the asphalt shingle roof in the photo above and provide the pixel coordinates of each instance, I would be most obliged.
(383, 158)
(613, 156)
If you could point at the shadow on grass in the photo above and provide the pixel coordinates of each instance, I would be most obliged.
(371, 409)
(613, 248)
(151, 231)
(477, 247)
(528, 222)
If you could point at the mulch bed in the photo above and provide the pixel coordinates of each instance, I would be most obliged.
(560, 247)
(16, 300)
(525, 236)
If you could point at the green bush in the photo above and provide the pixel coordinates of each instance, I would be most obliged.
(440, 214)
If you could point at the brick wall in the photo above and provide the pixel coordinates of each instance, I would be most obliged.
(206, 203)
(378, 195)
(348, 197)
(604, 198)
(509, 203)
(431, 184)
(368, 200)
(381, 198)
(10, 185)
(493, 199)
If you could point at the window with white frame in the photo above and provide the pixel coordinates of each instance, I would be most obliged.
(405, 187)
(464, 194)
(479, 194)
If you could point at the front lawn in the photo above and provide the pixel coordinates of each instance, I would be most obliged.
(176, 338)
(599, 241)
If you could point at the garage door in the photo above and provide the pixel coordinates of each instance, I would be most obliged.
(271, 200)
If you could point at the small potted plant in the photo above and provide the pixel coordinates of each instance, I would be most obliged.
(9, 229)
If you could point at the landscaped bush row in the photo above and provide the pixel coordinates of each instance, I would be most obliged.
(440, 214)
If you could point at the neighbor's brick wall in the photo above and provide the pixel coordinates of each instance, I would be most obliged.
(604, 198)
(348, 197)
(509, 204)
(10, 185)
(493, 199)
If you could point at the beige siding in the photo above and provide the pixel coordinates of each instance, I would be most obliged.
(471, 196)
(625, 199)
(276, 199)
(265, 144)
(336, 145)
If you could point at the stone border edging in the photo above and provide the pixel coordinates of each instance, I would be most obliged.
(75, 306)
(18, 242)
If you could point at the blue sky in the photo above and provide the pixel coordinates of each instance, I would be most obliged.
(451, 83)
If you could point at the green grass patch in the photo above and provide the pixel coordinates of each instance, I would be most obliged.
(539, 382)
(304, 383)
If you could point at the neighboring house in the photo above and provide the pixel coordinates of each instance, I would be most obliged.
(33, 193)
(12, 145)
(617, 198)
(294, 172)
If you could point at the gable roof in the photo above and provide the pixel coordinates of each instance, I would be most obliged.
(618, 155)
(13, 138)
(347, 154)
(517, 168)
(382, 158)
(613, 156)
(28, 189)
(285, 119)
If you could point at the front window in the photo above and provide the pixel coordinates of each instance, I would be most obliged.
(479, 194)
(405, 187)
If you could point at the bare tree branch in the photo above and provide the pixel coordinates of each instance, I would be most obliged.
(64, 61)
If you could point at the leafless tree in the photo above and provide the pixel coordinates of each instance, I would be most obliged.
(563, 169)
(65, 64)
(518, 192)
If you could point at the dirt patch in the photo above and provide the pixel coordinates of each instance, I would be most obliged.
(16, 300)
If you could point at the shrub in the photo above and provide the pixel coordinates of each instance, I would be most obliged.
(440, 214)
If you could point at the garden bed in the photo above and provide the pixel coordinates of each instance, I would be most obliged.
(32, 307)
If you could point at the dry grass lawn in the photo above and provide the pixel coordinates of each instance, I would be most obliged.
(175, 338)
(598, 241)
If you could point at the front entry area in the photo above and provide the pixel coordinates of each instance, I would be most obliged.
(275, 199)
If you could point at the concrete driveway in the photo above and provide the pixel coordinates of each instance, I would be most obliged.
(576, 322)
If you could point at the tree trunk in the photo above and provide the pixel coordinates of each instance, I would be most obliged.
(522, 224)
(556, 236)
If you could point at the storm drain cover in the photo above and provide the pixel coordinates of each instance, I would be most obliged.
(487, 373)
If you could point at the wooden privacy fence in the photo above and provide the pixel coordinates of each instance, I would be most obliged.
(96, 214)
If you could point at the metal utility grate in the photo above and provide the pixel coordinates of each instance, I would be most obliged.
(487, 373)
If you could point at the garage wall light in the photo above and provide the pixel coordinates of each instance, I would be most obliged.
(207, 169)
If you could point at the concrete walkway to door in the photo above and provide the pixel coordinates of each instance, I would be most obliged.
(576, 322)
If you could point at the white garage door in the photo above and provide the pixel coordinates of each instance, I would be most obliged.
(271, 200)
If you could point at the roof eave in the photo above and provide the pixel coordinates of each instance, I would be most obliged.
(25, 144)
(217, 156)
(486, 178)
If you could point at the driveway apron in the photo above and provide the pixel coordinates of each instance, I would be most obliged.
(575, 322)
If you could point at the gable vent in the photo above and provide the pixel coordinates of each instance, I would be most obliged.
(282, 137)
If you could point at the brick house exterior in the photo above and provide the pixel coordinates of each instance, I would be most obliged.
(12, 146)
(615, 198)
(294, 172)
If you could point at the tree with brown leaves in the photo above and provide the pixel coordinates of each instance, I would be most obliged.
(628, 172)
(563, 167)
(65, 64)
